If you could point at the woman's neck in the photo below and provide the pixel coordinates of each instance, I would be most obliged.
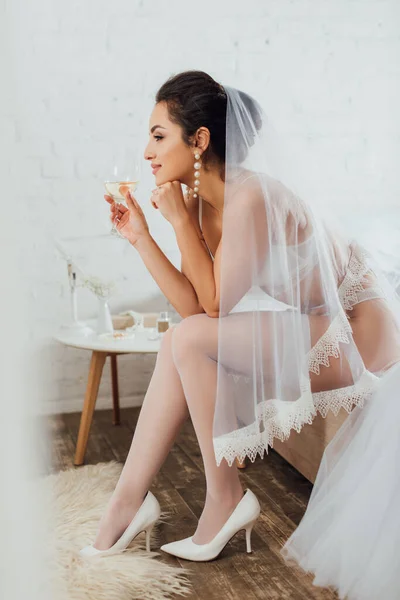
(212, 189)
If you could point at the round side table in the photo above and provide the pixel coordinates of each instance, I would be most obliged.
(101, 348)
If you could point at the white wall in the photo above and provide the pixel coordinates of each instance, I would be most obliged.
(86, 74)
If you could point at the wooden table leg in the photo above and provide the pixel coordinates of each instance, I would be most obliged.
(115, 393)
(92, 389)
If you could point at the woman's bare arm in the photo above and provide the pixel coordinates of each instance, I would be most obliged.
(198, 264)
(245, 220)
(174, 284)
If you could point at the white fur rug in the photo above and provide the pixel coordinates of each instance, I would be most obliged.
(77, 499)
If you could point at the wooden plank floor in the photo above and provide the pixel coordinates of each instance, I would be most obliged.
(180, 487)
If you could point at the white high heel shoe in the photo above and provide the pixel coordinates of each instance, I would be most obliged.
(144, 520)
(243, 517)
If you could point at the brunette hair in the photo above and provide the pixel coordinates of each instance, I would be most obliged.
(194, 99)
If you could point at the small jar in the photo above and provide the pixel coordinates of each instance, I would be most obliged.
(163, 322)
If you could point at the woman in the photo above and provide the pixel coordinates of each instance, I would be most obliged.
(285, 318)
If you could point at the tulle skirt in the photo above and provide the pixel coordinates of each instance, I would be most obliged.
(349, 537)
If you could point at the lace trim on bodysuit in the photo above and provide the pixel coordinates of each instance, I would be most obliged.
(354, 287)
(351, 291)
(345, 397)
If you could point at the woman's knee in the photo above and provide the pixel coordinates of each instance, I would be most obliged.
(186, 336)
(166, 342)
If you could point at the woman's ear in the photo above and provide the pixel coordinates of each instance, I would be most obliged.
(202, 139)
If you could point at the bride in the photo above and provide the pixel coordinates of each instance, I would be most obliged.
(283, 316)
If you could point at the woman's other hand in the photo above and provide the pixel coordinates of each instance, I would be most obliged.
(168, 198)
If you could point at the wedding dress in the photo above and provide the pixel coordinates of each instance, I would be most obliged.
(308, 322)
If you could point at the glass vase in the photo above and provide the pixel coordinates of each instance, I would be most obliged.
(104, 320)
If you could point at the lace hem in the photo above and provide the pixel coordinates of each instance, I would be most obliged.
(328, 344)
(278, 419)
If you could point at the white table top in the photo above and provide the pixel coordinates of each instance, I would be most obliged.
(139, 343)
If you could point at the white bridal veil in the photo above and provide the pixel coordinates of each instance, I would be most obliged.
(289, 281)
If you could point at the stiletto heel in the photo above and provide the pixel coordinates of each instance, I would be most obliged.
(248, 536)
(148, 534)
(243, 517)
(144, 520)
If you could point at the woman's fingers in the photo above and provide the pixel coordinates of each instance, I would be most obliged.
(130, 198)
(115, 207)
(154, 197)
(133, 203)
(121, 208)
(124, 190)
(118, 218)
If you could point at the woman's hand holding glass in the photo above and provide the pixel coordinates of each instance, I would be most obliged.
(129, 220)
(125, 173)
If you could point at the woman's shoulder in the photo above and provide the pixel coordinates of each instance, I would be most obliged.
(254, 182)
(246, 188)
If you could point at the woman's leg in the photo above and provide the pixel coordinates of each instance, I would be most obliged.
(194, 348)
(195, 353)
(163, 413)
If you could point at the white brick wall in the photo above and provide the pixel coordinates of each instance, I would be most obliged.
(86, 73)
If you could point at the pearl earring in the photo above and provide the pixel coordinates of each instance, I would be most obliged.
(197, 166)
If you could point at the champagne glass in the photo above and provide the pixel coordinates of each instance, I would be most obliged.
(126, 171)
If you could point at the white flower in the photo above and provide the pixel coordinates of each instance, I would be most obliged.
(98, 286)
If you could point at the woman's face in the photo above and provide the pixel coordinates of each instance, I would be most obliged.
(171, 158)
